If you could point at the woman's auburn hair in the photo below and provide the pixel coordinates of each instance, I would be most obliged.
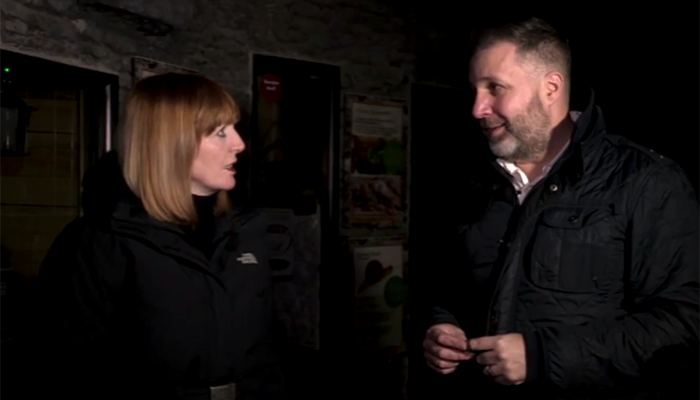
(166, 117)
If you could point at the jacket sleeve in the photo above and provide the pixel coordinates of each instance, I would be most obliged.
(658, 336)
(72, 313)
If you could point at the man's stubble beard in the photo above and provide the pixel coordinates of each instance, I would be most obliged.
(527, 135)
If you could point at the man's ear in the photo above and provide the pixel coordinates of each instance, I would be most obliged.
(553, 87)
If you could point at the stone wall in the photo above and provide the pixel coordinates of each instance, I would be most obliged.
(371, 41)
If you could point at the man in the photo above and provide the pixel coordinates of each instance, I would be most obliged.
(576, 266)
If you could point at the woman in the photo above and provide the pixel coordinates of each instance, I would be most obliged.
(161, 290)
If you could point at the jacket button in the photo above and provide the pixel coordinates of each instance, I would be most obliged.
(553, 187)
(573, 219)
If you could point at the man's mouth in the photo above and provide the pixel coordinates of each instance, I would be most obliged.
(231, 167)
(491, 130)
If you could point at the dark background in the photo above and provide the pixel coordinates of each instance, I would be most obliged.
(642, 63)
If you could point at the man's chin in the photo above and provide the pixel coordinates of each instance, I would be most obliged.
(503, 152)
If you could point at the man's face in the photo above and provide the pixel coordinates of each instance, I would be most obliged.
(507, 104)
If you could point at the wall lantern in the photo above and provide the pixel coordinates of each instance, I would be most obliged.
(14, 120)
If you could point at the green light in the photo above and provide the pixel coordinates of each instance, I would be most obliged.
(7, 70)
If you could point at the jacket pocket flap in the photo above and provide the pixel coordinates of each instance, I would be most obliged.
(574, 217)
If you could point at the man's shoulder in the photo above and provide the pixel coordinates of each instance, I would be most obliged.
(628, 150)
(636, 162)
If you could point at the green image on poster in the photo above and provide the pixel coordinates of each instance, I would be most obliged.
(394, 291)
(393, 158)
(374, 156)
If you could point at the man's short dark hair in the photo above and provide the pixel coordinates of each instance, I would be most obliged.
(533, 37)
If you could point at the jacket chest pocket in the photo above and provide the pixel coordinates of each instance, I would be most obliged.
(573, 248)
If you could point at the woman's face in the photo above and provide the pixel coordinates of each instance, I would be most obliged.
(213, 167)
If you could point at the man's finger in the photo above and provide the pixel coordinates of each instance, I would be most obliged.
(452, 331)
(484, 343)
(448, 354)
(495, 370)
(443, 371)
(502, 380)
(452, 341)
(488, 358)
(445, 352)
(438, 364)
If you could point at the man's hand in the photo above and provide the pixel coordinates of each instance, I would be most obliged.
(445, 347)
(503, 356)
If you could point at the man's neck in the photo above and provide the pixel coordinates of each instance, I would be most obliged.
(561, 135)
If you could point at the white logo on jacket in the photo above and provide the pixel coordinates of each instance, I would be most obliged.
(247, 258)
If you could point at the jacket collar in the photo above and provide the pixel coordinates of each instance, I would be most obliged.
(590, 128)
(588, 119)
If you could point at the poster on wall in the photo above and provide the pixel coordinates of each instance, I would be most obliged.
(145, 67)
(380, 293)
(383, 121)
(376, 200)
(375, 158)
(377, 136)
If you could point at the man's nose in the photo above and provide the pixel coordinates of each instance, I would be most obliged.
(481, 108)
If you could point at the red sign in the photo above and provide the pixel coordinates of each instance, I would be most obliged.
(271, 88)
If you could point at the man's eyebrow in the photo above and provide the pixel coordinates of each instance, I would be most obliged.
(491, 78)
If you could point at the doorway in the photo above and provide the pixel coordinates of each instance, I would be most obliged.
(57, 120)
(294, 174)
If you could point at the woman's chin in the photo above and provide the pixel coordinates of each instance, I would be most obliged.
(229, 185)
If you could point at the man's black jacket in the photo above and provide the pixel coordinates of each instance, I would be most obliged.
(598, 269)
